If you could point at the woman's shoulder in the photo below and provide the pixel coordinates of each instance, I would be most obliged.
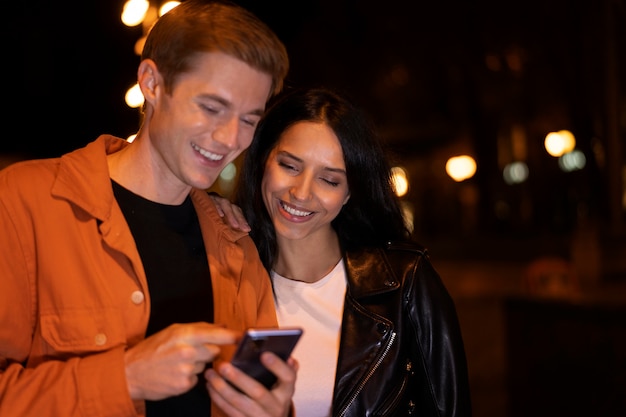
(409, 257)
(406, 246)
(401, 255)
(402, 248)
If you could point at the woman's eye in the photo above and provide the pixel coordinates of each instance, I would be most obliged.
(331, 183)
(286, 166)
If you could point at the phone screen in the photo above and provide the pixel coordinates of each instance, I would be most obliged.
(280, 341)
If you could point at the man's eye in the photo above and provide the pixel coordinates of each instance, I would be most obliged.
(210, 109)
(251, 123)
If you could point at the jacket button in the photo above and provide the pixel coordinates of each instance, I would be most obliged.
(382, 329)
(100, 339)
(390, 283)
(137, 297)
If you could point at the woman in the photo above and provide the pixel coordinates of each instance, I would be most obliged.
(381, 334)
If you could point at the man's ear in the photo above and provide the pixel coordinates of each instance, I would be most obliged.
(148, 78)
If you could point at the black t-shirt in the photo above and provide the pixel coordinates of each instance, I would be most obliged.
(172, 251)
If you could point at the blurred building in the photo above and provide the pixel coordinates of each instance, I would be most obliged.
(487, 79)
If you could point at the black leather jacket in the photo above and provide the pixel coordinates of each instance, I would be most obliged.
(401, 351)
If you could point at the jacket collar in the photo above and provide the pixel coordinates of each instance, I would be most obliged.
(369, 273)
(73, 184)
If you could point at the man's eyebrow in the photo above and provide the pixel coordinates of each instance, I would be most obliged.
(257, 112)
(221, 100)
(226, 103)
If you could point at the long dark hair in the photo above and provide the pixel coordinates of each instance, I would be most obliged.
(372, 215)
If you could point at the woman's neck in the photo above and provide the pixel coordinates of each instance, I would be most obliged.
(307, 261)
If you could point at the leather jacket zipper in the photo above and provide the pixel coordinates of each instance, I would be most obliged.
(369, 375)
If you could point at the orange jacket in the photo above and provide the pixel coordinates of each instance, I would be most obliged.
(73, 292)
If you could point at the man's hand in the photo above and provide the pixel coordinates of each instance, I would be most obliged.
(168, 362)
(253, 399)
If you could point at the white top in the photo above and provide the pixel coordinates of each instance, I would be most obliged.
(317, 308)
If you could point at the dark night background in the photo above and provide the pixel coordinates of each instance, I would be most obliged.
(439, 78)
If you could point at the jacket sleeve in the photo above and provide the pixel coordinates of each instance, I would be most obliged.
(75, 386)
(439, 337)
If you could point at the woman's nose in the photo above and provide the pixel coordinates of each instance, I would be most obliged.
(301, 189)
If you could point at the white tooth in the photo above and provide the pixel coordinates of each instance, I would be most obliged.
(295, 212)
(207, 154)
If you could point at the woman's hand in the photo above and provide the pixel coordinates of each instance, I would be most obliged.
(231, 213)
(252, 399)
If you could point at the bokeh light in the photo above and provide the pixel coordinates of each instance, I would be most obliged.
(134, 12)
(559, 143)
(460, 168)
(134, 97)
(400, 181)
(515, 173)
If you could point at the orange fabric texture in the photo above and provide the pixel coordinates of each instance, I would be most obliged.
(73, 291)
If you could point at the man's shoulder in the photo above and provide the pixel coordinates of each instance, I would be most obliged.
(211, 220)
(31, 172)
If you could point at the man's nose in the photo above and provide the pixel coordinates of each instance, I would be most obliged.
(226, 132)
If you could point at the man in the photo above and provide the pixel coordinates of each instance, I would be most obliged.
(119, 283)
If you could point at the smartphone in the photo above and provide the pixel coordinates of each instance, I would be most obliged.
(280, 341)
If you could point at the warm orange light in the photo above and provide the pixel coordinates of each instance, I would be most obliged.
(134, 12)
(461, 167)
(167, 6)
(134, 97)
(400, 181)
(559, 143)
